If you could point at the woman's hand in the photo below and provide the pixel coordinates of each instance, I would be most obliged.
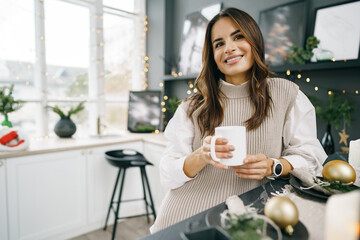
(255, 167)
(222, 150)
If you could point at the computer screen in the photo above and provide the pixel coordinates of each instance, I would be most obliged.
(144, 113)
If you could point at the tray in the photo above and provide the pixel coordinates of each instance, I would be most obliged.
(212, 219)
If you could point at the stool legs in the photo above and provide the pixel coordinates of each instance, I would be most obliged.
(144, 192)
(112, 198)
(149, 191)
(118, 204)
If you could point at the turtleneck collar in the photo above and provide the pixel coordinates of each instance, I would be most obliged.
(234, 91)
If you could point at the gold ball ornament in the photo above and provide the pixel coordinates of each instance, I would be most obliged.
(338, 170)
(283, 212)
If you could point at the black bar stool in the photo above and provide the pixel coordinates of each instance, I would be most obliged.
(123, 159)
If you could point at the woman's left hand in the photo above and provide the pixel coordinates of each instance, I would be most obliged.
(255, 167)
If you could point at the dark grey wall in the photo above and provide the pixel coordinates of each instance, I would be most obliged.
(164, 40)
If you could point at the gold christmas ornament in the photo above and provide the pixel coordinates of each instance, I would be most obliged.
(283, 212)
(338, 170)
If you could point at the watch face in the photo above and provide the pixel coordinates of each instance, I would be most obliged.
(278, 169)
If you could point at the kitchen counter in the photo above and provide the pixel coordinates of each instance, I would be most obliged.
(55, 144)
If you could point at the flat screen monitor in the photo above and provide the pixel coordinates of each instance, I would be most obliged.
(144, 113)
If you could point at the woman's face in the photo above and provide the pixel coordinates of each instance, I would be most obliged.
(232, 52)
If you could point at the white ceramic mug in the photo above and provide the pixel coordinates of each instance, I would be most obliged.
(236, 136)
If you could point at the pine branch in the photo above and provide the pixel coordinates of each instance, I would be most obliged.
(72, 110)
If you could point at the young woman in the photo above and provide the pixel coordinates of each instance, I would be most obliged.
(234, 88)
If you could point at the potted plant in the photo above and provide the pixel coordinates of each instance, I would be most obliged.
(300, 55)
(65, 127)
(333, 113)
(8, 104)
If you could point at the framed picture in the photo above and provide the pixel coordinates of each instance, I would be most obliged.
(193, 36)
(144, 112)
(338, 29)
(282, 27)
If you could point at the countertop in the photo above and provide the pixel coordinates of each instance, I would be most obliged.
(55, 144)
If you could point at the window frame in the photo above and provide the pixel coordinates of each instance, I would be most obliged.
(95, 101)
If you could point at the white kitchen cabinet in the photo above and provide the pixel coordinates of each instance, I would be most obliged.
(67, 193)
(3, 202)
(46, 194)
(154, 152)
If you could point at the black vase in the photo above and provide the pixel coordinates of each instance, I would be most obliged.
(327, 141)
(65, 127)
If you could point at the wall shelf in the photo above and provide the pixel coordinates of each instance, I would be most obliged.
(185, 77)
(328, 65)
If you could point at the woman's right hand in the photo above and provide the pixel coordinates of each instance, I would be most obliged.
(222, 150)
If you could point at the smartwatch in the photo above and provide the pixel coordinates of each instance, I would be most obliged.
(277, 168)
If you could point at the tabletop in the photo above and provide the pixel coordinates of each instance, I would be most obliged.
(311, 211)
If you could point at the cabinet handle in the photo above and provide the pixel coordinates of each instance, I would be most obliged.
(1, 163)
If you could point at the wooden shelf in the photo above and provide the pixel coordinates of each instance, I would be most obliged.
(317, 66)
(185, 77)
(328, 65)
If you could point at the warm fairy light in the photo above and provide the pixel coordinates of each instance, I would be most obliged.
(41, 37)
(163, 109)
(343, 91)
(146, 58)
(146, 69)
(191, 85)
(161, 84)
(157, 131)
(188, 92)
(180, 73)
(101, 44)
(345, 60)
(330, 92)
(316, 88)
(307, 79)
(332, 59)
(162, 103)
(288, 72)
(195, 90)
(27, 83)
(357, 91)
(166, 98)
(299, 76)
(98, 31)
(163, 116)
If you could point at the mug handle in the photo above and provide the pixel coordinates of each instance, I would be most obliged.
(212, 148)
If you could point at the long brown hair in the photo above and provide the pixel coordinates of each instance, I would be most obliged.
(209, 100)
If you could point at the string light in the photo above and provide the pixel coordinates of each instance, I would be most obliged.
(288, 72)
(299, 76)
(307, 79)
(166, 98)
(316, 89)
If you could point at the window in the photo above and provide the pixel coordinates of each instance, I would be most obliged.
(60, 52)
